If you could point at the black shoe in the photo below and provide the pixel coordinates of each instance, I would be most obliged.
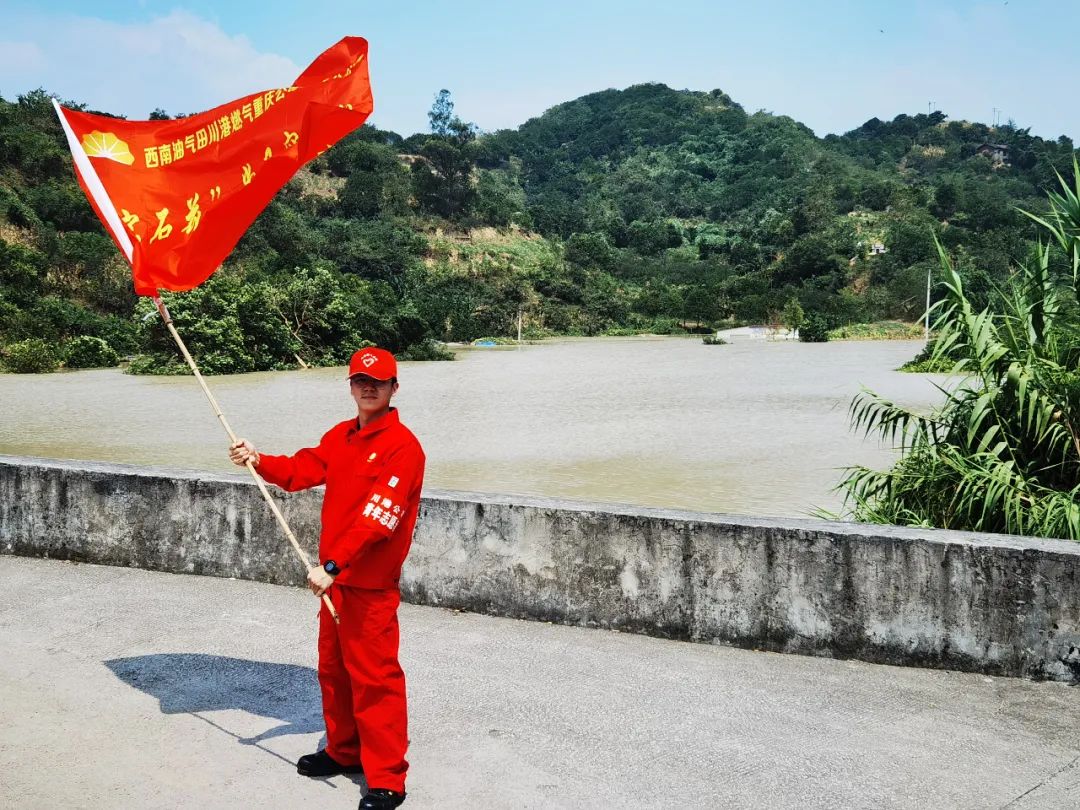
(381, 799)
(322, 764)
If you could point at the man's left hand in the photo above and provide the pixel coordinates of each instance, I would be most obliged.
(318, 580)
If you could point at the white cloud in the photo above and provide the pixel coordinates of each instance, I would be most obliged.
(180, 62)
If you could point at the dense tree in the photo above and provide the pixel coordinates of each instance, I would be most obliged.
(441, 114)
(375, 184)
(442, 178)
(590, 250)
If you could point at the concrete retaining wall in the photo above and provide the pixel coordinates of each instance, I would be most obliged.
(996, 604)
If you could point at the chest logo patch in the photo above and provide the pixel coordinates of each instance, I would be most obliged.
(393, 482)
(371, 458)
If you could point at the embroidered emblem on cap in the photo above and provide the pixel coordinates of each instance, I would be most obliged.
(369, 360)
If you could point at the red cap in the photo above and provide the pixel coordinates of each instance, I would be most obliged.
(376, 363)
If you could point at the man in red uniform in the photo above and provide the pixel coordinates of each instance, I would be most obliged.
(373, 468)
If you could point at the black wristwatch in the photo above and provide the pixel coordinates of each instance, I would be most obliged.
(331, 568)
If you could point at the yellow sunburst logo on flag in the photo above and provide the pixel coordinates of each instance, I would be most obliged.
(107, 145)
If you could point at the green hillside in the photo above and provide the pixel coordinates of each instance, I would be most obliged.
(641, 209)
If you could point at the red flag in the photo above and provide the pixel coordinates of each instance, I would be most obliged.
(176, 196)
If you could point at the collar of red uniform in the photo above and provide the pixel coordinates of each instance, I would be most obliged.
(386, 420)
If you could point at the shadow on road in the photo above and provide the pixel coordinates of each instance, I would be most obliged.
(191, 683)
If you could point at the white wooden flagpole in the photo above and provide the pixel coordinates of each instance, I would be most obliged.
(167, 318)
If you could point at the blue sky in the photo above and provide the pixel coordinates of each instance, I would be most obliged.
(831, 65)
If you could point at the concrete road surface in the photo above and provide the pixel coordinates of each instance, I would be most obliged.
(130, 689)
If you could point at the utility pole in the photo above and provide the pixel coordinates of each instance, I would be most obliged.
(929, 108)
(519, 325)
(926, 326)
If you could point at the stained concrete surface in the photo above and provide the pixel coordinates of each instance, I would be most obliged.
(123, 688)
(993, 604)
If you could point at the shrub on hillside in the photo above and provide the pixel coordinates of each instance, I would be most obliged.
(32, 356)
(925, 362)
(87, 351)
(426, 350)
(815, 329)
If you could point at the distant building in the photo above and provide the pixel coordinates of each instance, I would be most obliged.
(997, 152)
(877, 248)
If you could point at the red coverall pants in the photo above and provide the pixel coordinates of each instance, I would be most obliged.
(363, 687)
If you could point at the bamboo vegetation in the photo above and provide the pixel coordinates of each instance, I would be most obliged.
(1002, 453)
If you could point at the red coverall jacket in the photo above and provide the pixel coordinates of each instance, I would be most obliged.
(373, 477)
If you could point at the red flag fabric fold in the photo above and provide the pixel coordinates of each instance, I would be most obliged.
(176, 196)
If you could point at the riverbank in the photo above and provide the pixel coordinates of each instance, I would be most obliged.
(94, 357)
(879, 330)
